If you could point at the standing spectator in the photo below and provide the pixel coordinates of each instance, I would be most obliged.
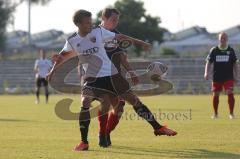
(42, 67)
(224, 60)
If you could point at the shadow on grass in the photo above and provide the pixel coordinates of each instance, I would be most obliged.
(13, 120)
(187, 153)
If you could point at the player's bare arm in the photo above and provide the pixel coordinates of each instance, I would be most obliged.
(129, 69)
(35, 67)
(79, 70)
(36, 70)
(207, 70)
(58, 59)
(146, 46)
(235, 72)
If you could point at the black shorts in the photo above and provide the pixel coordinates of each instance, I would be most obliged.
(41, 81)
(115, 85)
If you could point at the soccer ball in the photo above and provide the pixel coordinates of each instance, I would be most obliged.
(156, 70)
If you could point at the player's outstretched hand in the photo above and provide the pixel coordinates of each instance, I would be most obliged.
(57, 58)
(147, 47)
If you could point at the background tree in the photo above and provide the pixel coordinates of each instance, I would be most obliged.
(134, 22)
(7, 8)
(169, 52)
(15, 3)
(5, 12)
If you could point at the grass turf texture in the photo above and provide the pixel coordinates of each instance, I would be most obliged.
(34, 131)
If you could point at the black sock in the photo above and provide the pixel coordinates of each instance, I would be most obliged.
(84, 121)
(145, 113)
(37, 93)
(46, 95)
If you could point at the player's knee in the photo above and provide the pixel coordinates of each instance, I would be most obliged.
(131, 99)
(86, 102)
(114, 102)
(230, 91)
(37, 91)
(117, 109)
(216, 93)
(37, 88)
(46, 90)
(105, 100)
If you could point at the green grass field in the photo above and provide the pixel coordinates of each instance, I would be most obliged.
(30, 131)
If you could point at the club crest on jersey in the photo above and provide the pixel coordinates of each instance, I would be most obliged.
(93, 39)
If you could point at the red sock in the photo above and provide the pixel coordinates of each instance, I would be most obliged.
(102, 119)
(113, 120)
(231, 102)
(114, 116)
(215, 104)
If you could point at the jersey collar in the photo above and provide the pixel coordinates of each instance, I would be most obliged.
(222, 49)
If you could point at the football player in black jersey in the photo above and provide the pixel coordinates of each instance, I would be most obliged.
(223, 59)
(108, 122)
(117, 54)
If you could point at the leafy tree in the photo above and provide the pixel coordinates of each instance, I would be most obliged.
(7, 8)
(16, 3)
(134, 22)
(5, 12)
(169, 52)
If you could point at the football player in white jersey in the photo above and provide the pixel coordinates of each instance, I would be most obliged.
(102, 80)
(42, 67)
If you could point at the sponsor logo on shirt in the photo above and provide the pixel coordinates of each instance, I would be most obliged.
(222, 58)
(90, 51)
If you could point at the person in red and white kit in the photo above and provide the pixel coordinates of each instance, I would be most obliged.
(42, 67)
(224, 61)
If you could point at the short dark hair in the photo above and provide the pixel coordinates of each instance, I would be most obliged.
(107, 12)
(79, 15)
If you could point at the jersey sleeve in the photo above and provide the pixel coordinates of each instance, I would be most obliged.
(210, 56)
(67, 47)
(107, 35)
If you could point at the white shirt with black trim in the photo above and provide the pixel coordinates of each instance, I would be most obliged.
(43, 66)
(91, 52)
